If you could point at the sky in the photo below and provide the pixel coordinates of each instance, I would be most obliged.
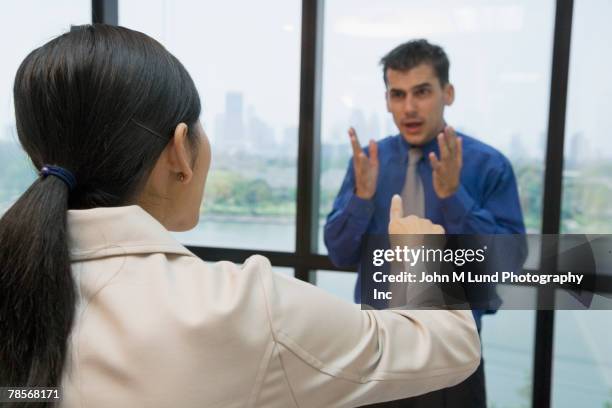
(500, 53)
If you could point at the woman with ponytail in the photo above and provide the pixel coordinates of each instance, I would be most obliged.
(98, 298)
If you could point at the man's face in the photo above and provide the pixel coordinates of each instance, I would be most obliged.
(416, 100)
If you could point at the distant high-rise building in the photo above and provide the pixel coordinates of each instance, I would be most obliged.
(233, 122)
(289, 144)
(577, 151)
(542, 141)
(517, 150)
(391, 129)
(358, 121)
(373, 129)
(261, 136)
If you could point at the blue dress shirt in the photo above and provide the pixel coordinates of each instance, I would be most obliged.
(486, 201)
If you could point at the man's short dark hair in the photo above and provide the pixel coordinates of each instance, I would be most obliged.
(408, 55)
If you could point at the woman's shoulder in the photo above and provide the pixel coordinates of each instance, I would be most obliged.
(181, 290)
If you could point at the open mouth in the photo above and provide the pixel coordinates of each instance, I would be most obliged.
(413, 126)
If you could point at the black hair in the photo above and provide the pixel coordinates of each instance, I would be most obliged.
(410, 54)
(102, 102)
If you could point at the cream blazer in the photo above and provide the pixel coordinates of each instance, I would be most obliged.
(156, 326)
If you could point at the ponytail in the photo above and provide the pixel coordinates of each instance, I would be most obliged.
(37, 290)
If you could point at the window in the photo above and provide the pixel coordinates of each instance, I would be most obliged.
(582, 364)
(582, 368)
(500, 54)
(45, 20)
(508, 338)
(247, 72)
(340, 284)
(587, 174)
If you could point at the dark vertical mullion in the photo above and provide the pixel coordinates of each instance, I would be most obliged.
(105, 11)
(553, 185)
(307, 208)
(315, 146)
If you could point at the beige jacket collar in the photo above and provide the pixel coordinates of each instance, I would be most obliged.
(110, 231)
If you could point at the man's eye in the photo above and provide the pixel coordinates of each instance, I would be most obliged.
(422, 92)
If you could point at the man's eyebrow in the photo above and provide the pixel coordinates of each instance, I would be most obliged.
(397, 90)
(422, 85)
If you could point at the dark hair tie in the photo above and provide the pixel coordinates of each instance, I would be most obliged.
(61, 173)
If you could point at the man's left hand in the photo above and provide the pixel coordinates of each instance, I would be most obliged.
(447, 168)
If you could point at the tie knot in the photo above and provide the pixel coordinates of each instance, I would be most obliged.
(414, 155)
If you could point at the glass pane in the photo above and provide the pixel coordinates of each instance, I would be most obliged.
(247, 72)
(24, 26)
(341, 284)
(582, 373)
(507, 347)
(500, 54)
(284, 271)
(587, 174)
(500, 58)
(582, 364)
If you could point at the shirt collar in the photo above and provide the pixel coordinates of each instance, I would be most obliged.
(111, 231)
(431, 146)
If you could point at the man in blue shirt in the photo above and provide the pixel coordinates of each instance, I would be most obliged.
(459, 182)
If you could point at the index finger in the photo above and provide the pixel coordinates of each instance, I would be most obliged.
(443, 147)
(354, 142)
(397, 211)
(438, 229)
(451, 138)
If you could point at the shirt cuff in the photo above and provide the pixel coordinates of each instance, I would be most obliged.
(456, 207)
(360, 208)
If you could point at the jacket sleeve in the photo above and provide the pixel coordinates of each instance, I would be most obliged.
(335, 355)
(347, 223)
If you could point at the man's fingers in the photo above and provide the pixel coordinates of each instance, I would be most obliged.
(354, 142)
(460, 149)
(361, 161)
(373, 152)
(444, 151)
(435, 163)
(397, 210)
(451, 139)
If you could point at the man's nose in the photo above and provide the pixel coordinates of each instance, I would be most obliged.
(410, 105)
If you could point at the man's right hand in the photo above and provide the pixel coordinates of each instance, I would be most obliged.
(365, 168)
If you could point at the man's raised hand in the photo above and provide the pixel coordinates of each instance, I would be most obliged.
(447, 168)
(365, 168)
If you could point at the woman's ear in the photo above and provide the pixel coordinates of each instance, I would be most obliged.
(179, 154)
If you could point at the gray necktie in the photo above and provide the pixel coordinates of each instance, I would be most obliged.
(413, 197)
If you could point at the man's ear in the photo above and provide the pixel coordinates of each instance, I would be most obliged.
(449, 94)
(179, 154)
(387, 101)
